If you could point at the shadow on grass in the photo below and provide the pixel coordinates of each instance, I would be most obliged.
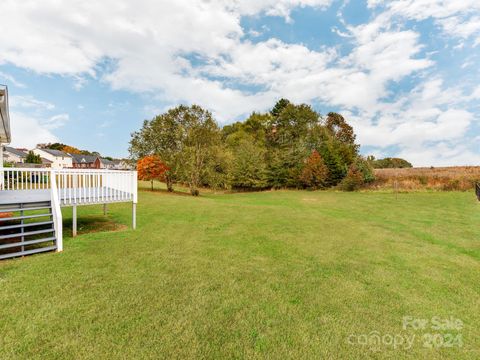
(165, 192)
(93, 224)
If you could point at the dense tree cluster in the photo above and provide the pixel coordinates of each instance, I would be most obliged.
(291, 146)
(388, 163)
(69, 149)
(31, 158)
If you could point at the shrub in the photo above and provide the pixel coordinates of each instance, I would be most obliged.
(354, 179)
(315, 172)
(366, 169)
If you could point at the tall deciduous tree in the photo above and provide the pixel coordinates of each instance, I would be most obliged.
(340, 129)
(151, 168)
(161, 136)
(199, 135)
(218, 170)
(249, 169)
(287, 144)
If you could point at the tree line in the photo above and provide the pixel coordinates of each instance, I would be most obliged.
(291, 146)
(388, 163)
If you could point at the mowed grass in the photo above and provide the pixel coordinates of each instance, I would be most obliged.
(283, 274)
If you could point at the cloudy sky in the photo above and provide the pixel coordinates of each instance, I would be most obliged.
(405, 73)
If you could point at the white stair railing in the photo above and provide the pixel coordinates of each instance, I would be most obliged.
(56, 212)
(72, 187)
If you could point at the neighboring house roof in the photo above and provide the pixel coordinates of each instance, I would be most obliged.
(106, 161)
(16, 152)
(56, 153)
(83, 159)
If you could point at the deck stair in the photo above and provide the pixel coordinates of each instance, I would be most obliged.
(33, 199)
(26, 228)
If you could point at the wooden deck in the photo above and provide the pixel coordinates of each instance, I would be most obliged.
(88, 196)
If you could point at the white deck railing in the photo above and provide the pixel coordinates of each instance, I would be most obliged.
(74, 186)
(24, 179)
(69, 187)
(95, 186)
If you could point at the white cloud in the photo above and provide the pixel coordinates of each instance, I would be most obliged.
(429, 126)
(151, 47)
(442, 154)
(476, 93)
(29, 102)
(33, 121)
(273, 7)
(456, 17)
(10, 79)
(56, 121)
(29, 131)
(196, 51)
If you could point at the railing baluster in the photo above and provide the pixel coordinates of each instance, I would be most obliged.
(98, 187)
(64, 187)
(73, 186)
(83, 187)
(102, 194)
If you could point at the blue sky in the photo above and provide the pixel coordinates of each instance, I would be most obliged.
(403, 72)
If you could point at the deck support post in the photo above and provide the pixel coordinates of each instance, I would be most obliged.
(134, 216)
(104, 209)
(2, 185)
(74, 221)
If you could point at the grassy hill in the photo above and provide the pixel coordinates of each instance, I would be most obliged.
(286, 274)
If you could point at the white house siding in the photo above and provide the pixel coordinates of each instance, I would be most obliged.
(11, 157)
(58, 162)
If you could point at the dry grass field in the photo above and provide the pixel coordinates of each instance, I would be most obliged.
(460, 178)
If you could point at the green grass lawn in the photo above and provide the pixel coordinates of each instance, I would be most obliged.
(286, 274)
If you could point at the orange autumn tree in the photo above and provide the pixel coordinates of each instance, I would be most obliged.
(71, 150)
(315, 172)
(151, 168)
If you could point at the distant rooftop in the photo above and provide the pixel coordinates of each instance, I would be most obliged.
(56, 152)
(79, 158)
(17, 152)
(106, 161)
